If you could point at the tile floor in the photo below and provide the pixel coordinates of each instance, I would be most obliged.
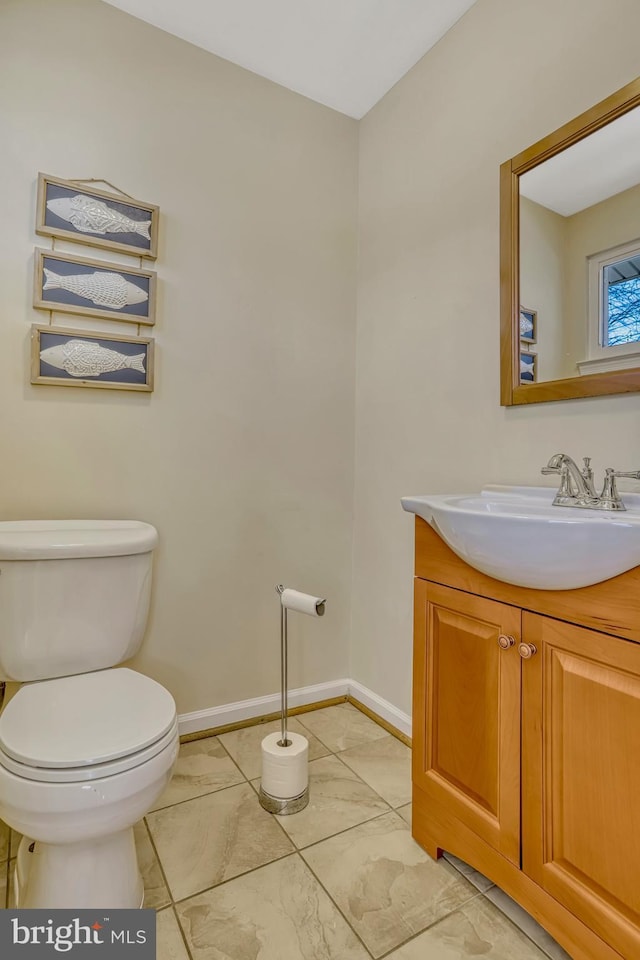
(341, 880)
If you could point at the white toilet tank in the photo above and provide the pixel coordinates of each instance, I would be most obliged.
(74, 595)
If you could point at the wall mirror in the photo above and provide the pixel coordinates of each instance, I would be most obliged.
(570, 259)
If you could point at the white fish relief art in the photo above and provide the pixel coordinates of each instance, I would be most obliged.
(89, 215)
(83, 358)
(526, 325)
(101, 287)
(526, 367)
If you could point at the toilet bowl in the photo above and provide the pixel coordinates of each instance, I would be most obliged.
(85, 751)
(82, 759)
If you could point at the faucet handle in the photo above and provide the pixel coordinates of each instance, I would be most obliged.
(559, 468)
(564, 491)
(610, 497)
(632, 474)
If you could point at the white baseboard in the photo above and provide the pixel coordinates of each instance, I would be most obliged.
(248, 709)
(401, 721)
(212, 717)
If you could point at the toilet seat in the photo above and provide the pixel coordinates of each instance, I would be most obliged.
(85, 727)
(86, 774)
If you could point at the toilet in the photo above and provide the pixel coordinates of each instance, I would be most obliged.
(86, 747)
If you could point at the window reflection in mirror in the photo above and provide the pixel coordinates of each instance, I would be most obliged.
(580, 256)
(618, 297)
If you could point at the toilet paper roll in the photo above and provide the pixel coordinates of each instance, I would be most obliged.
(285, 770)
(303, 602)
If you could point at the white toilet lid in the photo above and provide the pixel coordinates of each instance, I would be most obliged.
(85, 720)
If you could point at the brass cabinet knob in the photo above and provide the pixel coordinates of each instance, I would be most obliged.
(505, 642)
(527, 650)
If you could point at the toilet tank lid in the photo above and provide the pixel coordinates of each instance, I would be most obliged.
(72, 539)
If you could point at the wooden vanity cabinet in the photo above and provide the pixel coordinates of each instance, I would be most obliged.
(528, 768)
(581, 768)
(467, 752)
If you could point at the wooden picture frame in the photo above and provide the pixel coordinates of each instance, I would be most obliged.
(528, 367)
(528, 319)
(64, 209)
(74, 363)
(512, 391)
(69, 284)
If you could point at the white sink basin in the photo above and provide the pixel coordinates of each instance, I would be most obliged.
(515, 534)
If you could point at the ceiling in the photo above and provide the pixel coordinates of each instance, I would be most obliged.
(603, 164)
(345, 54)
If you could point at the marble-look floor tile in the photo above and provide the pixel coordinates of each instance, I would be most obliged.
(4, 889)
(279, 912)
(156, 894)
(11, 889)
(5, 833)
(169, 942)
(341, 726)
(385, 765)
(384, 883)
(478, 879)
(14, 843)
(338, 799)
(244, 745)
(204, 841)
(203, 766)
(475, 930)
(527, 924)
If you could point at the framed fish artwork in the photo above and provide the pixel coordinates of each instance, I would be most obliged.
(78, 358)
(528, 367)
(73, 211)
(528, 325)
(93, 288)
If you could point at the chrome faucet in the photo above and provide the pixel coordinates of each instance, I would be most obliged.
(576, 485)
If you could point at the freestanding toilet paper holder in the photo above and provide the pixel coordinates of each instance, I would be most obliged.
(315, 607)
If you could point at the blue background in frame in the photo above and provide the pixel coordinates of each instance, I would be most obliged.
(120, 346)
(531, 335)
(527, 360)
(67, 269)
(54, 191)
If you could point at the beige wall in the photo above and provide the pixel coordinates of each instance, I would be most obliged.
(542, 283)
(428, 415)
(243, 456)
(598, 228)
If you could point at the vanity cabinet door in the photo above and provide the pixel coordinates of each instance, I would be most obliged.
(466, 736)
(581, 775)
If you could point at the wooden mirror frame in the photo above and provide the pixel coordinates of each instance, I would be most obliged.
(512, 392)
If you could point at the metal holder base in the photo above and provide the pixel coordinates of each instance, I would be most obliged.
(283, 807)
